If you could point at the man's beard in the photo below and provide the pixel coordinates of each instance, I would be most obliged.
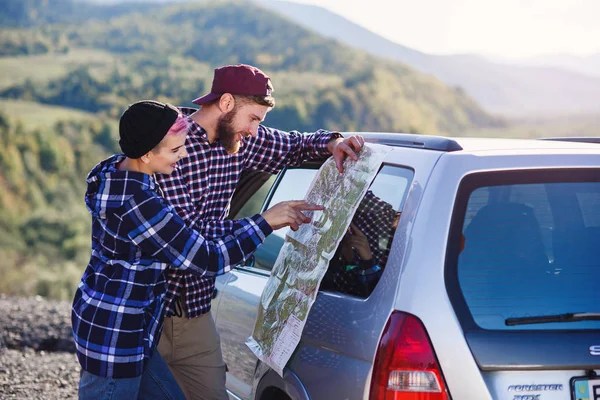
(226, 132)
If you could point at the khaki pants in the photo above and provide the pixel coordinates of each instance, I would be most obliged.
(192, 350)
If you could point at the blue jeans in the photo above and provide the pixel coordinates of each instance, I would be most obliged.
(156, 383)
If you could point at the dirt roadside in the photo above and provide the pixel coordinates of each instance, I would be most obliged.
(37, 354)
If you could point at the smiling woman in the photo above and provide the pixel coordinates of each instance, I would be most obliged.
(171, 149)
(136, 235)
(119, 306)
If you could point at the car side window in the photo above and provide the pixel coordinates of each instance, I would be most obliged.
(293, 184)
(362, 254)
(251, 201)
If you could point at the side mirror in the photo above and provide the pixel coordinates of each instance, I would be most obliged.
(249, 263)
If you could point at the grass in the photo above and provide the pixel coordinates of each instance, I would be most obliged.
(45, 67)
(35, 115)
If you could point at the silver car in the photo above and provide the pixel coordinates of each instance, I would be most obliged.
(480, 279)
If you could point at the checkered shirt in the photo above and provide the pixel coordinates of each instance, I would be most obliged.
(202, 185)
(119, 306)
(357, 280)
(375, 218)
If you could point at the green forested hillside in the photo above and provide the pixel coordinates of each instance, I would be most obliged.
(68, 69)
(44, 229)
(170, 51)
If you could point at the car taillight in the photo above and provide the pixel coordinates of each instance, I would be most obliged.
(405, 365)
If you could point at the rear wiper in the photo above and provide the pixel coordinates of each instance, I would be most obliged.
(545, 319)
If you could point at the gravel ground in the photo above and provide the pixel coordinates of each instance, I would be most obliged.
(37, 354)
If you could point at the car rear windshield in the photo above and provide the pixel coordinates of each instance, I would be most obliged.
(528, 246)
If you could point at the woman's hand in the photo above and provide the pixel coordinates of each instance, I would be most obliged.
(289, 213)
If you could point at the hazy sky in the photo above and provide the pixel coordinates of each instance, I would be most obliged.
(500, 28)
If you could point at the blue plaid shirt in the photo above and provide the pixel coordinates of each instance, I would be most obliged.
(202, 186)
(119, 306)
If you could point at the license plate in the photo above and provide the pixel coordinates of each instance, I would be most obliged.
(585, 388)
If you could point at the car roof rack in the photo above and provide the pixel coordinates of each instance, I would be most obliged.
(574, 139)
(425, 142)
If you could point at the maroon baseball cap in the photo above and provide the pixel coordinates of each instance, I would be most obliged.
(237, 79)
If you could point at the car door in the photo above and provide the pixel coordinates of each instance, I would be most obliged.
(335, 356)
(240, 292)
(240, 296)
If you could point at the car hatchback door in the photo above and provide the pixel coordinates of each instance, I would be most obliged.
(526, 282)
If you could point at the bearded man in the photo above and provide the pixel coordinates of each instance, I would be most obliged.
(224, 139)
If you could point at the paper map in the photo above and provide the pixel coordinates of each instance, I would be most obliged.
(305, 255)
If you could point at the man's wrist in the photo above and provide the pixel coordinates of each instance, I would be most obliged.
(335, 138)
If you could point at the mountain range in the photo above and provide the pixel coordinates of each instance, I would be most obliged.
(558, 85)
(587, 65)
(541, 86)
(168, 50)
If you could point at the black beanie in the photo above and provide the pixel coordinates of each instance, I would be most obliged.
(143, 125)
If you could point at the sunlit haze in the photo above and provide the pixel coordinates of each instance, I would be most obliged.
(506, 29)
